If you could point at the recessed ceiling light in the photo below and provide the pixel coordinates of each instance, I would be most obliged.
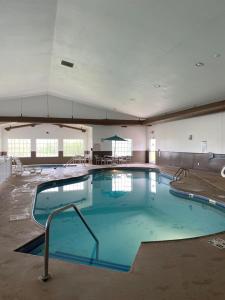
(156, 86)
(216, 55)
(199, 64)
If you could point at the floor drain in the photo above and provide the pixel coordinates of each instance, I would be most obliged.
(217, 242)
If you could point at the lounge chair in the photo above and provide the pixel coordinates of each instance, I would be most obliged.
(18, 168)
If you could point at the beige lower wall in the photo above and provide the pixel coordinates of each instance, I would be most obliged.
(43, 160)
(137, 156)
(199, 161)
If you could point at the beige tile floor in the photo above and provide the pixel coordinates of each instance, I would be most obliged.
(185, 269)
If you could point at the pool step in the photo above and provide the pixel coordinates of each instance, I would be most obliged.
(90, 261)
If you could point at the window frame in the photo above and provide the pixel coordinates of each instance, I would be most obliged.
(71, 154)
(48, 154)
(127, 153)
(18, 153)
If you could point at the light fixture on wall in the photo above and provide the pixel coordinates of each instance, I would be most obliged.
(159, 153)
(190, 137)
(199, 64)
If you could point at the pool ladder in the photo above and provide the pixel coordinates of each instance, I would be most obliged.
(46, 275)
(180, 172)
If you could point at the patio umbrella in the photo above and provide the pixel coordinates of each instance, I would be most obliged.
(115, 138)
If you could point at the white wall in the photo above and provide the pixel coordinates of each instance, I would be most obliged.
(1, 137)
(173, 136)
(42, 106)
(136, 133)
(40, 131)
(93, 135)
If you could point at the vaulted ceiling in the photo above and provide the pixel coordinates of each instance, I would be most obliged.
(134, 56)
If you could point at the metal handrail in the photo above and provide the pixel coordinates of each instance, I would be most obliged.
(69, 162)
(179, 172)
(46, 275)
(75, 160)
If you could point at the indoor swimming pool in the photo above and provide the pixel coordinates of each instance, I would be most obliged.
(123, 207)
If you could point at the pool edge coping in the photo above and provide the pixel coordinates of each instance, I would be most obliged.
(181, 193)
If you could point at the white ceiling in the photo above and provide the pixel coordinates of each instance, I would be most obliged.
(26, 37)
(120, 49)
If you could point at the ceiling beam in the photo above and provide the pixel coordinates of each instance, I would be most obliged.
(51, 120)
(197, 111)
(20, 126)
(35, 124)
(70, 127)
(202, 110)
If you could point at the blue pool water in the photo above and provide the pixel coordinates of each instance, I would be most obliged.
(123, 208)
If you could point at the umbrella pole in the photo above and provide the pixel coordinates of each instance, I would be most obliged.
(114, 156)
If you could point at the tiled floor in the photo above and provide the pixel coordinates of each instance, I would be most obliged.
(187, 269)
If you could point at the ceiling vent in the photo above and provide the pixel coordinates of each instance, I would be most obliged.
(67, 64)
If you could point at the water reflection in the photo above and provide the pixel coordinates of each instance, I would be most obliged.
(79, 193)
(122, 183)
(153, 182)
(79, 186)
(54, 189)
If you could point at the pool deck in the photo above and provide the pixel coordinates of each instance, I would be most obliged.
(169, 270)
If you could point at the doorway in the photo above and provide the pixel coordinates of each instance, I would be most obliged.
(152, 151)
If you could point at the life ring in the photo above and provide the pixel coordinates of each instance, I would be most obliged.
(223, 172)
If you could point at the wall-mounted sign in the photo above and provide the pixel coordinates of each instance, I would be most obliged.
(204, 146)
